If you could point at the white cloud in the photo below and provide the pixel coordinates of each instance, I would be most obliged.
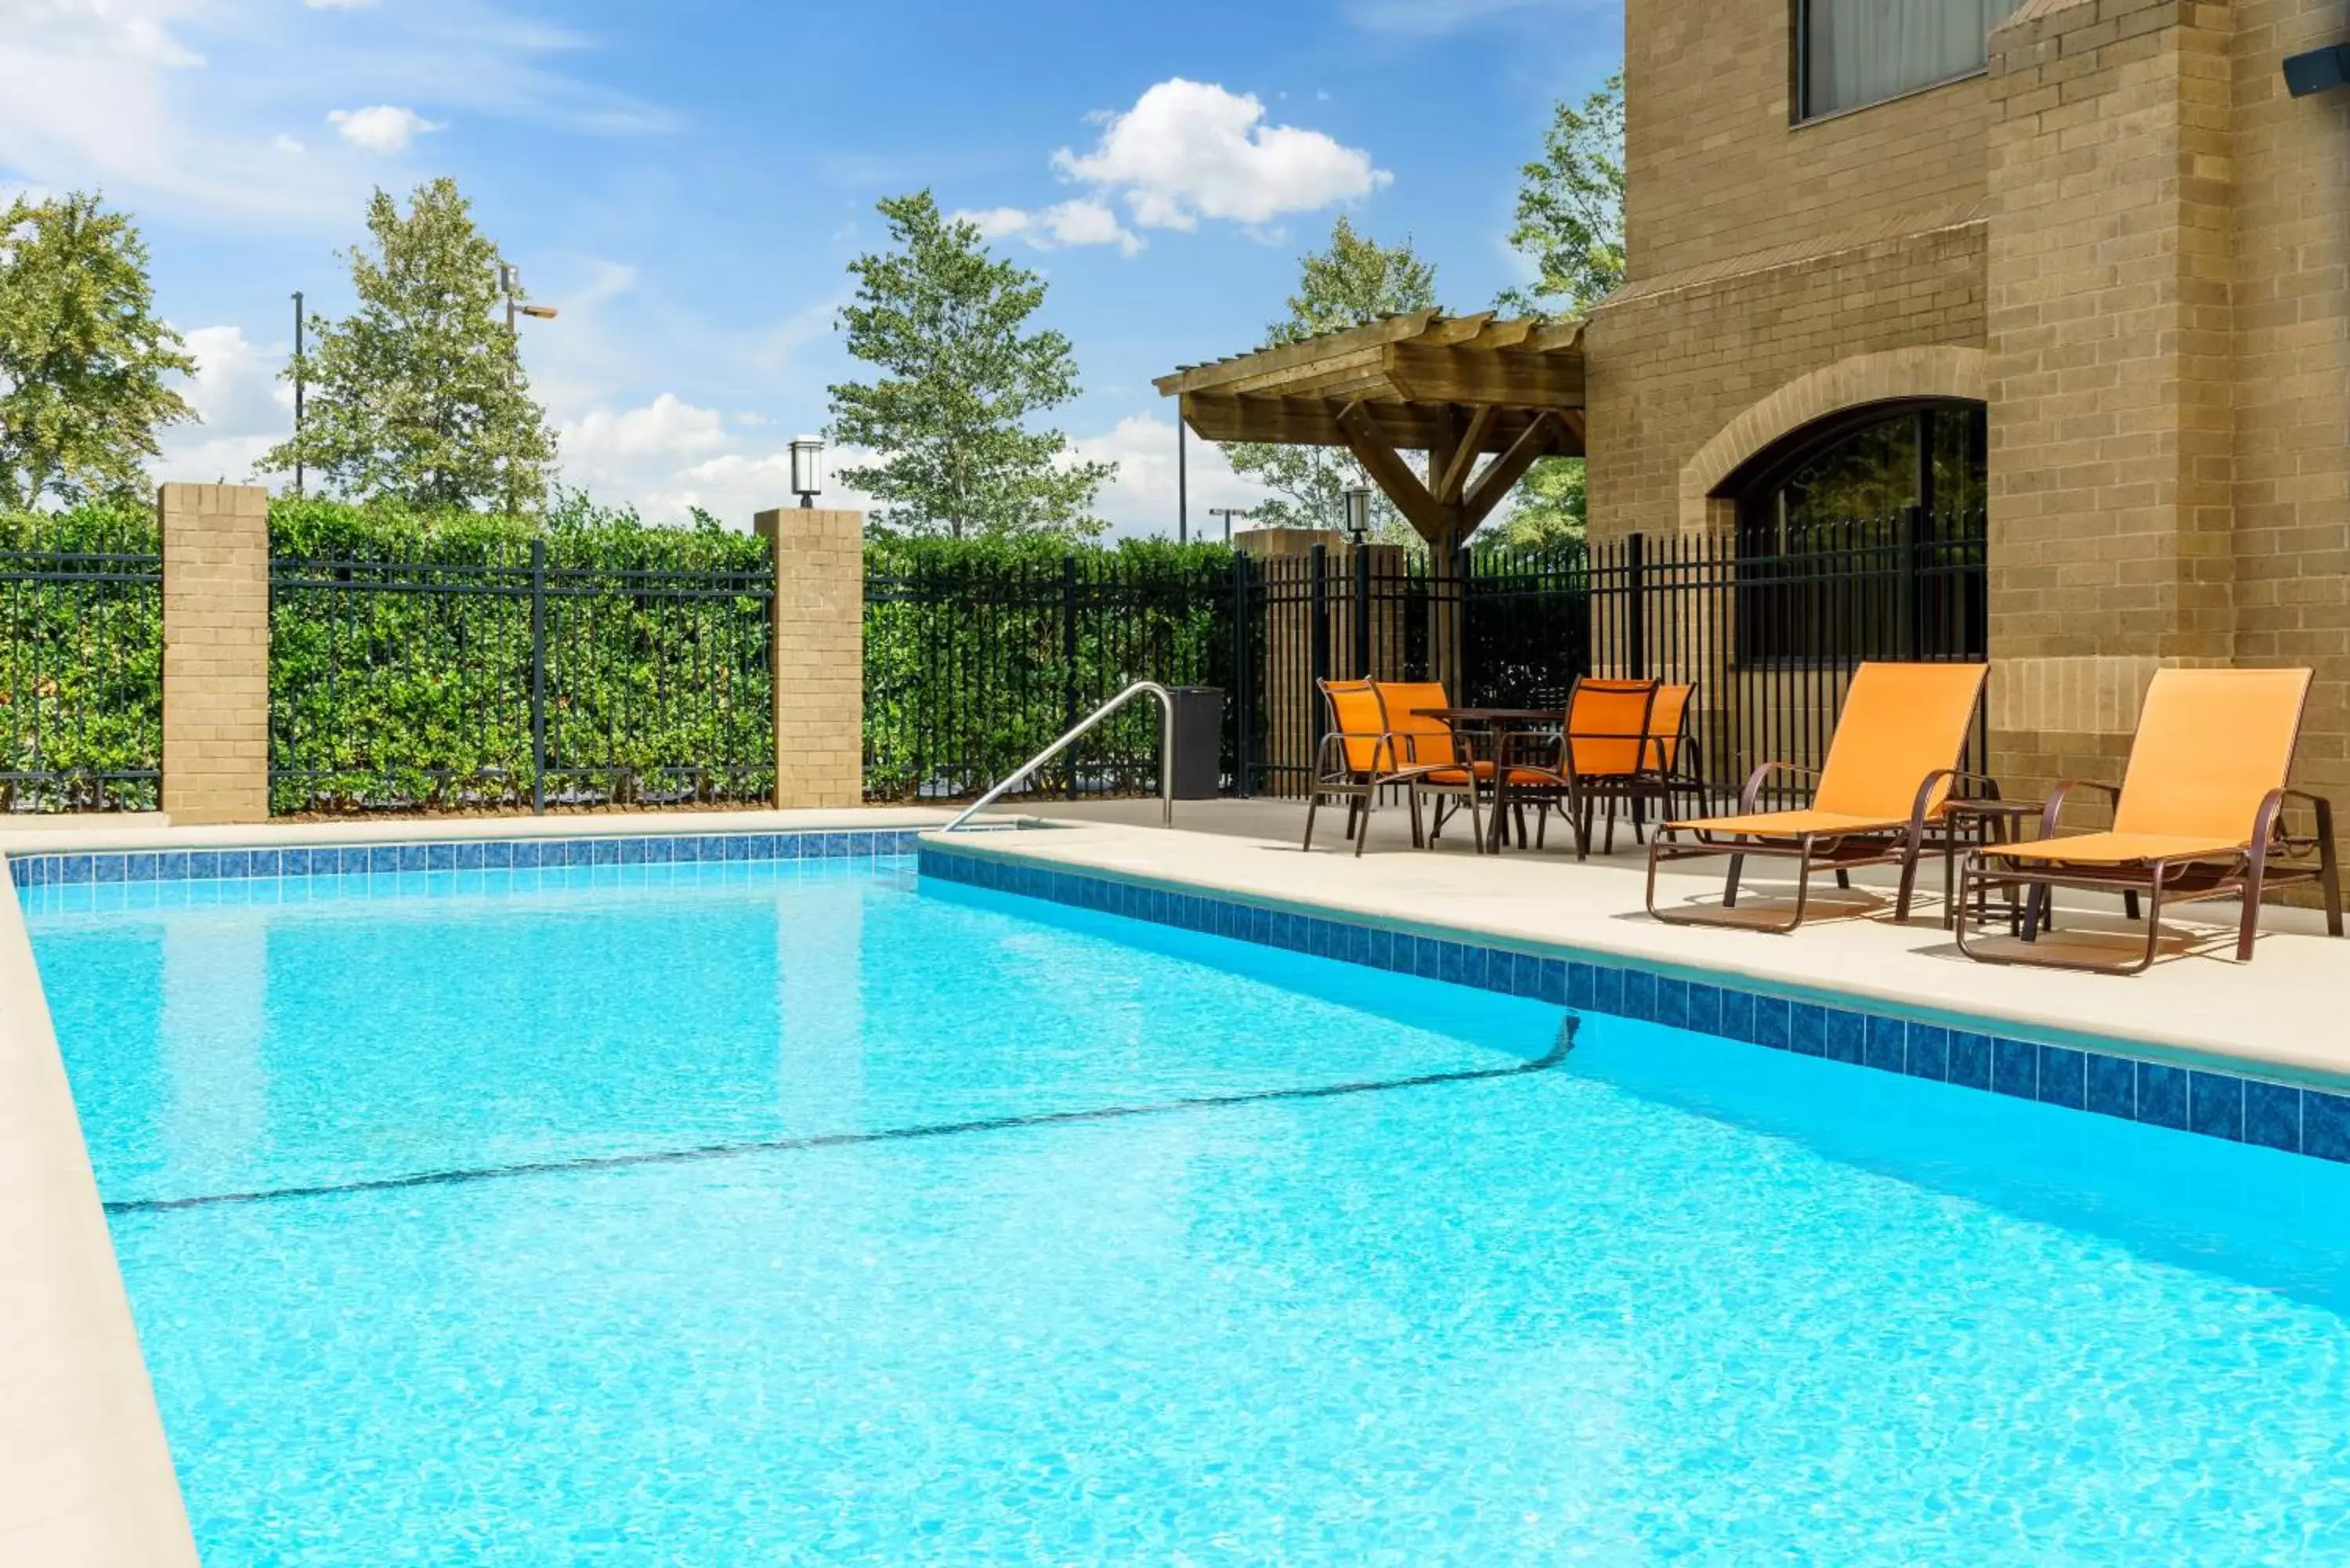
(1190, 150)
(245, 408)
(668, 427)
(284, 143)
(380, 127)
(1081, 221)
(1142, 498)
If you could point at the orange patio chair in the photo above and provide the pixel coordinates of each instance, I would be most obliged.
(1359, 757)
(1440, 760)
(1889, 774)
(2199, 815)
(1624, 742)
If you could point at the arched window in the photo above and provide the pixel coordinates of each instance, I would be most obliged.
(1861, 536)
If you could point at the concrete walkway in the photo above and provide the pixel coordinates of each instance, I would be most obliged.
(2286, 1013)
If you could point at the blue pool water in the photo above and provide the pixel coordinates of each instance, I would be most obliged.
(807, 1213)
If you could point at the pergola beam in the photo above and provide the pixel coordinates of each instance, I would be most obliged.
(1540, 440)
(1509, 378)
(1381, 460)
(1453, 482)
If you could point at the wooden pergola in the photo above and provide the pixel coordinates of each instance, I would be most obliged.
(1456, 388)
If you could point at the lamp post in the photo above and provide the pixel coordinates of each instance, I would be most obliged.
(510, 284)
(1358, 513)
(808, 453)
(298, 390)
(1228, 514)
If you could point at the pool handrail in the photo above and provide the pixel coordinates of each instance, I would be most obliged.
(1076, 731)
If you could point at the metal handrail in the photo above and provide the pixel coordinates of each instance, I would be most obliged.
(1166, 753)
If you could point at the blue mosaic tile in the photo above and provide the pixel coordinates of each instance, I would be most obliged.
(104, 867)
(1738, 1016)
(2215, 1105)
(2061, 1077)
(1638, 990)
(265, 863)
(2273, 1115)
(1607, 990)
(1705, 1009)
(2162, 1095)
(140, 867)
(1807, 1029)
(1885, 1044)
(1671, 1001)
(2015, 1068)
(1554, 979)
(2110, 1086)
(1971, 1058)
(1929, 1052)
(1772, 1016)
(2325, 1125)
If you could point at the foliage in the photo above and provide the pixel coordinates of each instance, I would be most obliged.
(1355, 281)
(420, 397)
(1548, 507)
(81, 659)
(945, 323)
(979, 653)
(1570, 217)
(83, 357)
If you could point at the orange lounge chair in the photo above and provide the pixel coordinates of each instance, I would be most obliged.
(2199, 815)
(1362, 757)
(1889, 774)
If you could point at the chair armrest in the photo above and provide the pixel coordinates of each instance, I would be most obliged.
(2057, 796)
(1926, 788)
(2320, 806)
(1751, 795)
(1989, 785)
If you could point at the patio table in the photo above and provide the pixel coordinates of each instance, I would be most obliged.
(1505, 725)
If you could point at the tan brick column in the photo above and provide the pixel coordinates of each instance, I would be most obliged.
(215, 652)
(819, 655)
(2108, 326)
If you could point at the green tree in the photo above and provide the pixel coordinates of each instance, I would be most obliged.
(1355, 281)
(945, 322)
(82, 355)
(1570, 222)
(419, 396)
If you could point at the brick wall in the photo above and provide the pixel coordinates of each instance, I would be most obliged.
(820, 660)
(215, 652)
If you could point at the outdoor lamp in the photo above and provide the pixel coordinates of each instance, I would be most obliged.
(1359, 513)
(2317, 70)
(805, 451)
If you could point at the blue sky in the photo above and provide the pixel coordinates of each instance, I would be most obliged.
(687, 180)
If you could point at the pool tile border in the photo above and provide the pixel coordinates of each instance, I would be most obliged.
(69, 869)
(2286, 1117)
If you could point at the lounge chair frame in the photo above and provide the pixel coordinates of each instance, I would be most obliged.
(1839, 853)
(2276, 858)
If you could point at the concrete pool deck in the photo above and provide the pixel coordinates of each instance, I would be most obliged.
(2282, 1016)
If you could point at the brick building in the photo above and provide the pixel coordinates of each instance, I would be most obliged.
(2079, 261)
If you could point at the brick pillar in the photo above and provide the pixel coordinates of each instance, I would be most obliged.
(819, 655)
(215, 652)
(2109, 327)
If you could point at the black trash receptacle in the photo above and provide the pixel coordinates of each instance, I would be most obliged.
(1199, 742)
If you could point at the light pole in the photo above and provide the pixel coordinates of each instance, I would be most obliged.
(1183, 486)
(299, 368)
(510, 284)
(1228, 514)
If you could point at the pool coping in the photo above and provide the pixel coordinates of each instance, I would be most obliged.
(2179, 1089)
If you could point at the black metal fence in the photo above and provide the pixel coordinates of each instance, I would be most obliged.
(1767, 628)
(973, 665)
(81, 681)
(408, 685)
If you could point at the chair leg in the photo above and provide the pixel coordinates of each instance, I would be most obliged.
(1844, 879)
(2129, 903)
(2249, 928)
(2329, 876)
(1363, 823)
(1476, 824)
(1730, 883)
(1313, 805)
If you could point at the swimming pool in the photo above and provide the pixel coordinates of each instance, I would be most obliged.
(813, 1211)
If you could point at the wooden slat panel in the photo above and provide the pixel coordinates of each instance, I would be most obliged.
(1289, 356)
(1312, 421)
(1509, 377)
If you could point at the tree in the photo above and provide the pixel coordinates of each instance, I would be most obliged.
(1354, 283)
(419, 395)
(944, 321)
(82, 355)
(1570, 221)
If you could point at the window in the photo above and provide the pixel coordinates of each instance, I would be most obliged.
(1855, 52)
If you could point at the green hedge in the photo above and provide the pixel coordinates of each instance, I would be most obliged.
(974, 653)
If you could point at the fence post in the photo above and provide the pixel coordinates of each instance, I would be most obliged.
(539, 677)
(1362, 628)
(216, 541)
(819, 661)
(1317, 643)
(1913, 582)
(1069, 658)
(1636, 605)
(1243, 680)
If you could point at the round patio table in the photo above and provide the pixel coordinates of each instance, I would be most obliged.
(1505, 725)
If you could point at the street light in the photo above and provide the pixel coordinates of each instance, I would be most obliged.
(510, 284)
(1228, 514)
(807, 452)
(1359, 513)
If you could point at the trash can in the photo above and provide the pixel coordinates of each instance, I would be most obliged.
(1199, 742)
